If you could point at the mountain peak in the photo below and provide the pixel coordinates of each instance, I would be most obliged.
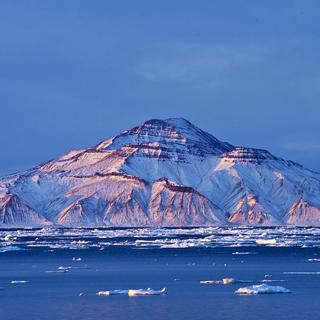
(173, 135)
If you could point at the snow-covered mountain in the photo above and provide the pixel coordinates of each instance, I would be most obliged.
(162, 173)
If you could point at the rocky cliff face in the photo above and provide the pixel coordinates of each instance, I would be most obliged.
(162, 173)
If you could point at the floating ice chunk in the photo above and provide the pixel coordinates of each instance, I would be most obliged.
(301, 272)
(10, 248)
(272, 280)
(111, 293)
(314, 260)
(66, 269)
(211, 282)
(262, 289)
(266, 241)
(59, 270)
(9, 237)
(81, 294)
(146, 292)
(243, 253)
(76, 259)
(103, 293)
(225, 281)
(228, 281)
(19, 281)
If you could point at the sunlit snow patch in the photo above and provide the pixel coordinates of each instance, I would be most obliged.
(262, 289)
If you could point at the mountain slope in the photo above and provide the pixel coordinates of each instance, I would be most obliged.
(162, 173)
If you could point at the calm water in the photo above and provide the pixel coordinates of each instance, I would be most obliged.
(51, 295)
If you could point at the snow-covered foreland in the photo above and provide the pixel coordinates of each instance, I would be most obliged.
(162, 173)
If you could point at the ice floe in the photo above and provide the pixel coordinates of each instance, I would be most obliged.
(18, 281)
(266, 241)
(77, 259)
(62, 268)
(112, 292)
(243, 253)
(10, 248)
(225, 281)
(146, 292)
(261, 289)
(132, 292)
(273, 280)
(301, 272)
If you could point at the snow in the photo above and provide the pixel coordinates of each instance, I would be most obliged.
(120, 183)
(261, 289)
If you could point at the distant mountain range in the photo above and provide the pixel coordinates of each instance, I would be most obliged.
(162, 173)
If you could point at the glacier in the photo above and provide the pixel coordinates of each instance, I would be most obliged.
(162, 173)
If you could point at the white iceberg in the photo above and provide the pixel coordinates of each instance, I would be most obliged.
(262, 289)
(112, 293)
(146, 292)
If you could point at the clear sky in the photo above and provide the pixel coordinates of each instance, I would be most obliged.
(74, 72)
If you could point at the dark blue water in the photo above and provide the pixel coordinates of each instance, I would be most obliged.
(56, 295)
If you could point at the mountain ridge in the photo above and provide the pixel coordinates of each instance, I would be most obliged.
(162, 173)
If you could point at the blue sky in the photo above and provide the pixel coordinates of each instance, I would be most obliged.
(73, 73)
